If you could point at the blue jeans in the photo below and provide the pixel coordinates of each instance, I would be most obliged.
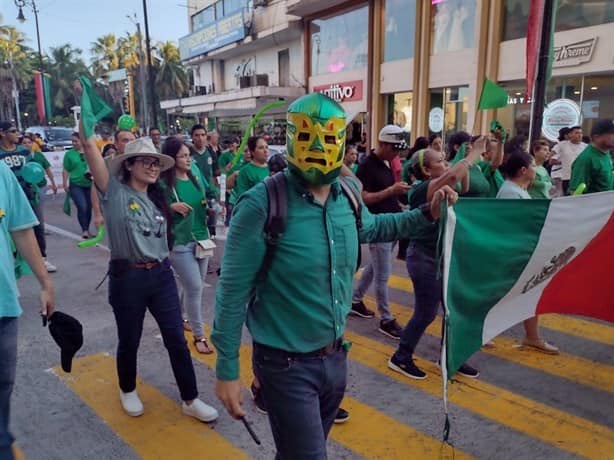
(302, 396)
(379, 269)
(191, 272)
(131, 292)
(8, 364)
(428, 291)
(83, 201)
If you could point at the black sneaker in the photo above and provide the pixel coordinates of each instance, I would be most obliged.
(406, 367)
(258, 399)
(391, 328)
(468, 371)
(342, 416)
(360, 309)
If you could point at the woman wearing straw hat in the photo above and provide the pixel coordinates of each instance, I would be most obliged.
(140, 275)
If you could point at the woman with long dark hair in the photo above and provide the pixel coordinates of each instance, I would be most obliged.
(137, 217)
(185, 191)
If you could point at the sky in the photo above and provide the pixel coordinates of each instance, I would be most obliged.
(80, 22)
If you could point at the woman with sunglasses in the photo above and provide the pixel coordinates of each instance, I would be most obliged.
(140, 276)
(185, 190)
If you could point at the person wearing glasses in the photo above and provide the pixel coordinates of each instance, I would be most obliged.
(137, 217)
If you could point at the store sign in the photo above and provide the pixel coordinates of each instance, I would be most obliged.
(225, 31)
(574, 54)
(342, 92)
(436, 120)
(560, 113)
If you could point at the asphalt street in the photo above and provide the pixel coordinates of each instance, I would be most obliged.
(525, 405)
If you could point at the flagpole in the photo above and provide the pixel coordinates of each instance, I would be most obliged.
(541, 78)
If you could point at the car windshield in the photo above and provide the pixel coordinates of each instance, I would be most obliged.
(59, 134)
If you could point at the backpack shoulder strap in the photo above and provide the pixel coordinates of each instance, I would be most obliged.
(352, 193)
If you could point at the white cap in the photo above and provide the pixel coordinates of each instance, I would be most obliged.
(391, 134)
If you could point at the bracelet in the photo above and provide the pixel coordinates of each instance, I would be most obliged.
(467, 163)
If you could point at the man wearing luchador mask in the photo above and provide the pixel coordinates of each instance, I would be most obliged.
(298, 308)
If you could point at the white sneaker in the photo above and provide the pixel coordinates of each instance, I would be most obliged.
(199, 410)
(131, 403)
(50, 267)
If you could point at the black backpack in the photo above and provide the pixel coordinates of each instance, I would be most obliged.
(277, 214)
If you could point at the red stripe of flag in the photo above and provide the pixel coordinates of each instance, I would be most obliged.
(536, 19)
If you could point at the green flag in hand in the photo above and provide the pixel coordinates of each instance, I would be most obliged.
(492, 97)
(93, 108)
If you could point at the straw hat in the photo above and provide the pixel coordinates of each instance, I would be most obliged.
(140, 148)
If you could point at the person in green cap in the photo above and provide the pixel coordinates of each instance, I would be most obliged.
(593, 166)
(297, 315)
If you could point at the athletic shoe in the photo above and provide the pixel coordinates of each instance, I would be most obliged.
(199, 410)
(85, 235)
(406, 367)
(468, 371)
(360, 309)
(391, 328)
(258, 399)
(50, 267)
(342, 416)
(131, 403)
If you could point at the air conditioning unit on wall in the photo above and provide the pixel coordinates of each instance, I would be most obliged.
(258, 3)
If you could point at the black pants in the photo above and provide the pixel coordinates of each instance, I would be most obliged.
(39, 230)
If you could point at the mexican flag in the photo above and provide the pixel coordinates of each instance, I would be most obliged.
(508, 260)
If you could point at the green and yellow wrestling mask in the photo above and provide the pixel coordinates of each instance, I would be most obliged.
(315, 138)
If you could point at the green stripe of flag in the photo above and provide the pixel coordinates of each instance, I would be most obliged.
(492, 243)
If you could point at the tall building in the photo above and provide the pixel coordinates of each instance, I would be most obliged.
(421, 63)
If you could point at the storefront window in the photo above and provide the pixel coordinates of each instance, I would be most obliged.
(400, 29)
(203, 18)
(339, 43)
(453, 25)
(448, 110)
(571, 14)
(399, 110)
(593, 94)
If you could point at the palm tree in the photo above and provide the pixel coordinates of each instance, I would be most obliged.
(172, 79)
(15, 69)
(66, 66)
(128, 51)
(104, 55)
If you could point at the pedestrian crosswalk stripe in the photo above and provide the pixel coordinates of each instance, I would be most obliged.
(563, 365)
(370, 433)
(161, 432)
(540, 421)
(585, 329)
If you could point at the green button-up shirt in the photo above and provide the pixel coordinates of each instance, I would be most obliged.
(303, 302)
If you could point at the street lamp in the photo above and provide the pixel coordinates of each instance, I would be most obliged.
(21, 18)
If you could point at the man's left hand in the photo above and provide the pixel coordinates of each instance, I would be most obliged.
(445, 193)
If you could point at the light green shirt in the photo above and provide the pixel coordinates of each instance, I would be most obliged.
(249, 176)
(303, 302)
(76, 166)
(541, 185)
(136, 227)
(593, 168)
(510, 190)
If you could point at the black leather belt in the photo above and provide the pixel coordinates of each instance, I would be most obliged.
(324, 351)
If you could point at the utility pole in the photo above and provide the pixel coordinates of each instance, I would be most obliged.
(541, 79)
(144, 113)
(15, 92)
(152, 83)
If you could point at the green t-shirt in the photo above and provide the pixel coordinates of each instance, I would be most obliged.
(76, 166)
(593, 168)
(39, 158)
(136, 227)
(225, 159)
(427, 232)
(192, 227)
(354, 168)
(250, 175)
(494, 178)
(16, 159)
(541, 185)
(206, 165)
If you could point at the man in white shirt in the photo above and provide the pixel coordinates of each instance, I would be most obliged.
(565, 153)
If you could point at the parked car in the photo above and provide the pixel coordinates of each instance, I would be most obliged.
(54, 137)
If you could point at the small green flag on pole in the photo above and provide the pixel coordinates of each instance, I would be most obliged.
(93, 108)
(492, 97)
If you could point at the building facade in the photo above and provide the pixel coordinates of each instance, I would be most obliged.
(420, 63)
